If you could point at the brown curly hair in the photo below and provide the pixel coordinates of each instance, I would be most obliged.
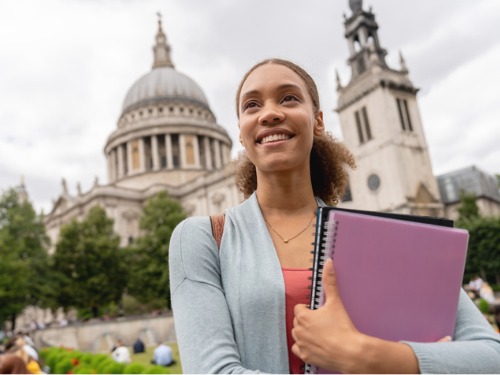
(329, 158)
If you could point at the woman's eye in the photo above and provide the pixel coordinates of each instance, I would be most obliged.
(249, 105)
(289, 98)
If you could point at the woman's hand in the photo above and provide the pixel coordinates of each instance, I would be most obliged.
(327, 338)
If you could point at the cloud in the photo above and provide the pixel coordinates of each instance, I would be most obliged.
(67, 65)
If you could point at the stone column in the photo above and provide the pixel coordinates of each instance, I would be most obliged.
(182, 151)
(142, 153)
(109, 159)
(217, 154)
(121, 164)
(350, 43)
(128, 151)
(154, 152)
(168, 151)
(113, 170)
(196, 152)
(362, 37)
(208, 153)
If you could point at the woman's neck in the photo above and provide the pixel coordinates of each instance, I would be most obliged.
(279, 194)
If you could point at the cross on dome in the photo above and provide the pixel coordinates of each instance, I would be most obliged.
(161, 49)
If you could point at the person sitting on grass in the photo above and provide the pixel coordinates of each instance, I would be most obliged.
(121, 354)
(162, 355)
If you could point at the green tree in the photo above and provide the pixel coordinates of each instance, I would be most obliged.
(483, 256)
(23, 254)
(468, 209)
(88, 262)
(148, 273)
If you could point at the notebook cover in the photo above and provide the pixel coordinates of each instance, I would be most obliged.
(322, 217)
(399, 280)
(443, 221)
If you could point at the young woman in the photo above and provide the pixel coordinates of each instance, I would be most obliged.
(234, 307)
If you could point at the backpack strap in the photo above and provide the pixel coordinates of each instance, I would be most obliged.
(217, 222)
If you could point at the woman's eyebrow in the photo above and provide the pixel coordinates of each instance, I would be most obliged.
(282, 87)
(288, 86)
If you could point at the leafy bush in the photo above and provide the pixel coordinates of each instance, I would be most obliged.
(483, 306)
(83, 368)
(63, 366)
(64, 361)
(134, 368)
(87, 358)
(58, 356)
(98, 358)
(113, 368)
(102, 365)
(48, 356)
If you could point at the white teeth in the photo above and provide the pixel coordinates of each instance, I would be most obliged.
(274, 138)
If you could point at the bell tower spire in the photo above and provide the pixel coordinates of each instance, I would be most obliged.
(362, 38)
(381, 124)
(161, 49)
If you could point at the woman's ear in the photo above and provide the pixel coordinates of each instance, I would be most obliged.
(319, 127)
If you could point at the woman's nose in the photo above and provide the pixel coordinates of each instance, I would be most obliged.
(271, 115)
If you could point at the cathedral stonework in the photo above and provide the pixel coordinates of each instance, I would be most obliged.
(381, 125)
(167, 138)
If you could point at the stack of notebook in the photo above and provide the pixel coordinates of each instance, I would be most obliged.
(399, 276)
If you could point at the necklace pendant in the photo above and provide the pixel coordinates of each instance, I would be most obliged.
(286, 241)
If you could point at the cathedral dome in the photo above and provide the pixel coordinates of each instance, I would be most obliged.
(166, 133)
(163, 83)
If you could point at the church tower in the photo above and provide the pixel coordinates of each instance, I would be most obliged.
(381, 125)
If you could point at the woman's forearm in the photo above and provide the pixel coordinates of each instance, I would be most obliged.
(377, 356)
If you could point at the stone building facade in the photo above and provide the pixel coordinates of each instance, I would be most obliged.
(381, 125)
(167, 138)
(470, 180)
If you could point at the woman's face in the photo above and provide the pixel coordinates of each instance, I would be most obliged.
(277, 119)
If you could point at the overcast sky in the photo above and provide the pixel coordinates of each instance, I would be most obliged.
(66, 66)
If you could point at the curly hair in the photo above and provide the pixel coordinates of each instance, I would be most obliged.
(329, 159)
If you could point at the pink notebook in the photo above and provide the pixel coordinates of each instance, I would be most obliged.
(399, 280)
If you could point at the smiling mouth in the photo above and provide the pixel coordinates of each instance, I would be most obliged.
(274, 138)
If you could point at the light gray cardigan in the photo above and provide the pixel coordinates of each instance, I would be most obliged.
(229, 308)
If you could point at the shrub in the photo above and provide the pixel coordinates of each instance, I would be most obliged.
(62, 366)
(59, 356)
(102, 365)
(87, 358)
(134, 368)
(483, 306)
(83, 369)
(98, 358)
(113, 368)
(48, 357)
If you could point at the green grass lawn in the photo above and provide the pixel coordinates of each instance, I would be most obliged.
(145, 358)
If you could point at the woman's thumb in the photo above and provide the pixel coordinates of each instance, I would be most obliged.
(330, 281)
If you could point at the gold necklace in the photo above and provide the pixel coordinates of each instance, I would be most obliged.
(291, 238)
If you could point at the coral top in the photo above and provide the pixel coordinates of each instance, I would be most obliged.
(296, 292)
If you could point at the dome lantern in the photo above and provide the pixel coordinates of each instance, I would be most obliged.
(162, 49)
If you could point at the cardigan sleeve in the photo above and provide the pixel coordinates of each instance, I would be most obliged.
(475, 347)
(202, 320)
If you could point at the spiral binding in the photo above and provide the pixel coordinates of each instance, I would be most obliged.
(326, 240)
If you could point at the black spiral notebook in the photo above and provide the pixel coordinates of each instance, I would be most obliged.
(381, 227)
